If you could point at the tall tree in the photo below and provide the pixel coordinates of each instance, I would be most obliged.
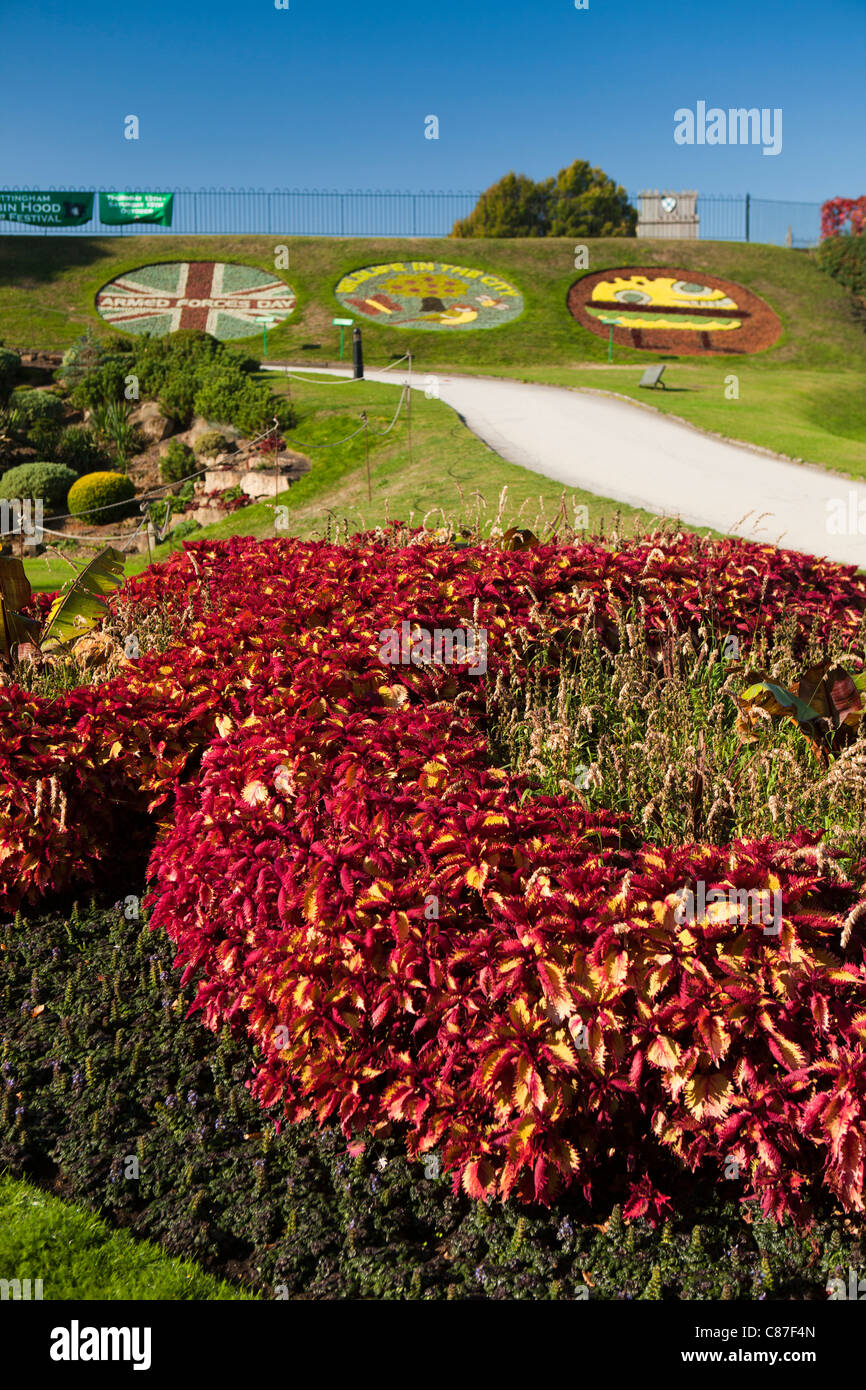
(580, 201)
(583, 201)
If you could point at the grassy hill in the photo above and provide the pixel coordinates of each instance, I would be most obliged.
(803, 397)
(48, 284)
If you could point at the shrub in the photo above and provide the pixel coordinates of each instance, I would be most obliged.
(173, 370)
(104, 384)
(49, 482)
(843, 214)
(235, 397)
(272, 443)
(177, 462)
(170, 370)
(80, 449)
(9, 364)
(210, 444)
(184, 528)
(84, 352)
(95, 491)
(37, 405)
(844, 257)
(45, 435)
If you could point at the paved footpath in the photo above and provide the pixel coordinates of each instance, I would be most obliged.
(637, 455)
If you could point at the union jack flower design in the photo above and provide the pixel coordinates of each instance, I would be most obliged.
(223, 299)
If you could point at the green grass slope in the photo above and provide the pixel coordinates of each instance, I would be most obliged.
(78, 1257)
(48, 284)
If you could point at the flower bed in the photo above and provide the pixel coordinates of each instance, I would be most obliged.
(409, 941)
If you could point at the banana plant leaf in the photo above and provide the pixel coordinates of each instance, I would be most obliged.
(15, 593)
(14, 584)
(519, 538)
(827, 706)
(82, 604)
(834, 693)
(779, 702)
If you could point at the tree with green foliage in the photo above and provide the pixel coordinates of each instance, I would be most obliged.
(583, 201)
(580, 201)
(515, 206)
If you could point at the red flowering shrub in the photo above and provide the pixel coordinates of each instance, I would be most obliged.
(837, 213)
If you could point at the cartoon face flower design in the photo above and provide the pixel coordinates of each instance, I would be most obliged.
(645, 301)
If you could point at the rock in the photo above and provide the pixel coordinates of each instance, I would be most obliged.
(206, 516)
(266, 484)
(199, 427)
(154, 426)
(216, 479)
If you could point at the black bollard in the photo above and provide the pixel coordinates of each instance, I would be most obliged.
(357, 354)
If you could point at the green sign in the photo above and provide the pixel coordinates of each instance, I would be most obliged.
(47, 209)
(135, 207)
(343, 323)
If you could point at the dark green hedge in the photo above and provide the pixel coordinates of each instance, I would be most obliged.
(100, 1063)
(844, 257)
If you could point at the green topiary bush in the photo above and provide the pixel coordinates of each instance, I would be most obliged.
(90, 495)
(37, 405)
(210, 444)
(48, 482)
(177, 462)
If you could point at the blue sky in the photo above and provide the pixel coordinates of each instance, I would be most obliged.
(333, 93)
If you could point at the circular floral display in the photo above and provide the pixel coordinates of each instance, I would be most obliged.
(655, 308)
(428, 294)
(225, 300)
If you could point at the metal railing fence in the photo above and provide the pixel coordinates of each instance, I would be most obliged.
(288, 212)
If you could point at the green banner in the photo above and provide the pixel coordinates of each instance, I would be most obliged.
(47, 209)
(135, 207)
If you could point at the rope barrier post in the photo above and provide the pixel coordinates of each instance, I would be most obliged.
(357, 354)
(276, 460)
(144, 508)
(409, 408)
(367, 454)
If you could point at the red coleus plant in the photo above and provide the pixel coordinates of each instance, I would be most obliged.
(410, 942)
(409, 945)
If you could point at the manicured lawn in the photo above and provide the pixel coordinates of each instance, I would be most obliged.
(77, 1256)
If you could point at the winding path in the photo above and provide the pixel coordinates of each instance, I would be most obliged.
(633, 454)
